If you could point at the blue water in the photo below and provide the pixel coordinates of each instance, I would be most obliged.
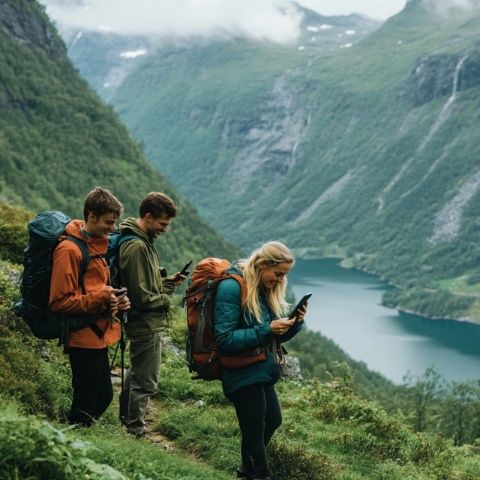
(346, 307)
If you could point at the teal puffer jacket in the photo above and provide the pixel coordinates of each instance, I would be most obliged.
(237, 331)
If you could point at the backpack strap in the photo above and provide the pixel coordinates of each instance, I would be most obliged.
(126, 238)
(241, 282)
(86, 257)
(113, 260)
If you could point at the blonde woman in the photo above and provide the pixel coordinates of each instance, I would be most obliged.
(256, 321)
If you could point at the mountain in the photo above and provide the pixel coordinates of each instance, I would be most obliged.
(58, 140)
(105, 59)
(368, 152)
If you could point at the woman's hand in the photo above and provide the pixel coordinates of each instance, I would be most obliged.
(281, 326)
(301, 314)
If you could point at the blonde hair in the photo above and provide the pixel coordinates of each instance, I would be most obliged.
(271, 253)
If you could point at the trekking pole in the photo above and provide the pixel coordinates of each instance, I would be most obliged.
(114, 356)
(122, 413)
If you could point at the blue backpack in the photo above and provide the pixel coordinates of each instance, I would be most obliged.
(44, 233)
(115, 241)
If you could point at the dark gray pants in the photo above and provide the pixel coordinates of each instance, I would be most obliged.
(142, 378)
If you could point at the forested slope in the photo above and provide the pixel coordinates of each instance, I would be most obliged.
(58, 140)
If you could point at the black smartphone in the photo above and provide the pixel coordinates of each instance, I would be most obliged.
(299, 305)
(184, 271)
(121, 292)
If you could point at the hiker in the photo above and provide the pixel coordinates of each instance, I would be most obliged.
(261, 322)
(140, 272)
(88, 347)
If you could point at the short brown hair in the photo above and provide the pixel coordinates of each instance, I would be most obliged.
(100, 201)
(157, 204)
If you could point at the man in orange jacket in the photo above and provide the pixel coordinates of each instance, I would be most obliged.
(88, 347)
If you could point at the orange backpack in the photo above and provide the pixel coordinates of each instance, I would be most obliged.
(203, 356)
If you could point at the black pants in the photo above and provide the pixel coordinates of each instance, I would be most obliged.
(92, 386)
(259, 415)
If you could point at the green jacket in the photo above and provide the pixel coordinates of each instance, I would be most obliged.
(139, 265)
(236, 331)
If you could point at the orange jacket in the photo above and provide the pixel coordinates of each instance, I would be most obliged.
(66, 294)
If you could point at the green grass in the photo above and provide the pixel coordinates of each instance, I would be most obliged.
(461, 285)
(327, 433)
(35, 449)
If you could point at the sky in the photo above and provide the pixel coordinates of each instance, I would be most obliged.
(273, 20)
(377, 9)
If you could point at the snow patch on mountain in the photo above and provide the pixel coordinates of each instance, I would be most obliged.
(133, 53)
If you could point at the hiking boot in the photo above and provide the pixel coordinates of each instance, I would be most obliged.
(242, 474)
(262, 477)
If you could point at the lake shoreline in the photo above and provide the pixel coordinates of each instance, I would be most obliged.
(347, 308)
(349, 263)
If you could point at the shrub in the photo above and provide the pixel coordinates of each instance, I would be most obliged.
(30, 448)
(13, 232)
(292, 461)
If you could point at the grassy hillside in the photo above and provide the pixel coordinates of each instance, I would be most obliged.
(368, 152)
(329, 432)
(58, 140)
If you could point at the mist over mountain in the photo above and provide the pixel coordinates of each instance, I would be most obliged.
(106, 58)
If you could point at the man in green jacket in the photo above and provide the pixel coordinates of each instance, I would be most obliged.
(149, 294)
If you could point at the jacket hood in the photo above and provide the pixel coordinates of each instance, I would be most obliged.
(235, 268)
(130, 225)
(74, 229)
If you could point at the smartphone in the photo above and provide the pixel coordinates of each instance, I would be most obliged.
(121, 292)
(299, 305)
(184, 271)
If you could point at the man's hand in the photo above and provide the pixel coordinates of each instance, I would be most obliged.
(119, 299)
(178, 279)
(123, 303)
(281, 326)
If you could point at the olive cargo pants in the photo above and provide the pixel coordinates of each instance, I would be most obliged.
(142, 379)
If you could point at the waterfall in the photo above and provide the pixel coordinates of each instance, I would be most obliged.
(445, 113)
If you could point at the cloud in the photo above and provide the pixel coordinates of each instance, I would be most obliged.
(273, 20)
(447, 7)
(378, 9)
